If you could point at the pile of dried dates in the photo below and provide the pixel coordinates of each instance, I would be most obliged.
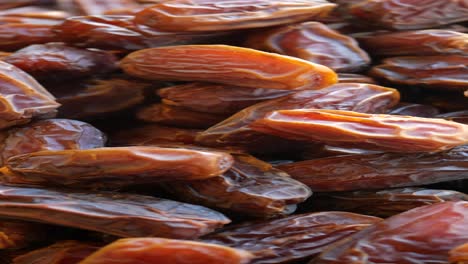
(233, 131)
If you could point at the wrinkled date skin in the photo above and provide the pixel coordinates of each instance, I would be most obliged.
(347, 96)
(50, 134)
(378, 171)
(383, 203)
(118, 166)
(8, 4)
(411, 14)
(409, 109)
(19, 234)
(416, 43)
(63, 252)
(375, 132)
(250, 187)
(178, 116)
(421, 235)
(166, 251)
(438, 72)
(459, 255)
(227, 65)
(355, 78)
(57, 61)
(153, 135)
(124, 215)
(17, 35)
(314, 42)
(459, 116)
(293, 238)
(97, 7)
(215, 15)
(22, 98)
(217, 98)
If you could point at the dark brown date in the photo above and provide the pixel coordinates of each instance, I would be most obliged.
(117, 167)
(20, 234)
(315, 42)
(316, 151)
(293, 238)
(124, 215)
(409, 109)
(250, 187)
(459, 116)
(378, 171)
(355, 78)
(421, 235)
(153, 135)
(382, 203)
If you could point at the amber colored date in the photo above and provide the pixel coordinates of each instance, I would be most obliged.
(177, 116)
(19, 34)
(215, 15)
(378, 171)
(57, 61)
(411, 14)
(347, 96)
(416, 43)
(314, 42)
(250, 187)
(63, 252)
(459, 255)
(376, 132)
(382, 203)
(293, 238)
(124, 215)
(217, 98)
(117, 167)
(19, 234)
(153, 135)
(410, 109)
(421, 235)
(227, 65)
(439, 72)
(355, 78)
(22, 97)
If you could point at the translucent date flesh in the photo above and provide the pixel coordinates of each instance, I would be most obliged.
(153, 135)
(347, 96)
(459, 255)
(227, 65)
(215, 15)
(22, 98)
(314, 42)
(19, 234)
(63, 252)
(411, 14)
(416, 43)
(383, 203)
(379, 132)
(378, 171)
(421, 235)
(293, 238)
(439, 72)
(250, 187)
(124, 215)
(119, 166)
(166, 251)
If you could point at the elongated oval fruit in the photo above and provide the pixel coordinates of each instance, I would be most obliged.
(228, 65)
(117, 167)
(380, 132)
(215, 15)
(166, 251)
(20, 234)
(421, 235)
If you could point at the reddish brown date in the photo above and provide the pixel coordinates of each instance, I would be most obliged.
(459, 255)
(347, 96)
(378, 171)
(96, 7)
(382, 203)
(34, 12)
(411, 14)
(117, 167)
(421, 235)
(178, 116)
(355, 78)
(166, 251)
(19, 34)
(215, 15)
(250, 187)
(153, 135)
(63, 252)
(19, 234)
(416, 43)
(314, 42)
(227, 65)
(217, 98)
(409, 109)
(56, 61)
(375, 132)
(293, 238)
(22, 97)
(124, 215)
(446, 72)
(7, 4)
(459, 116)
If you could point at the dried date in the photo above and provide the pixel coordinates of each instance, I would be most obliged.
(96, 7)
(124, 215)
(20, 34)
(355, 78)
(227, 65)
(153, 135)
(459, 255)
(459, 116)
(409, 109)
(19, 234)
